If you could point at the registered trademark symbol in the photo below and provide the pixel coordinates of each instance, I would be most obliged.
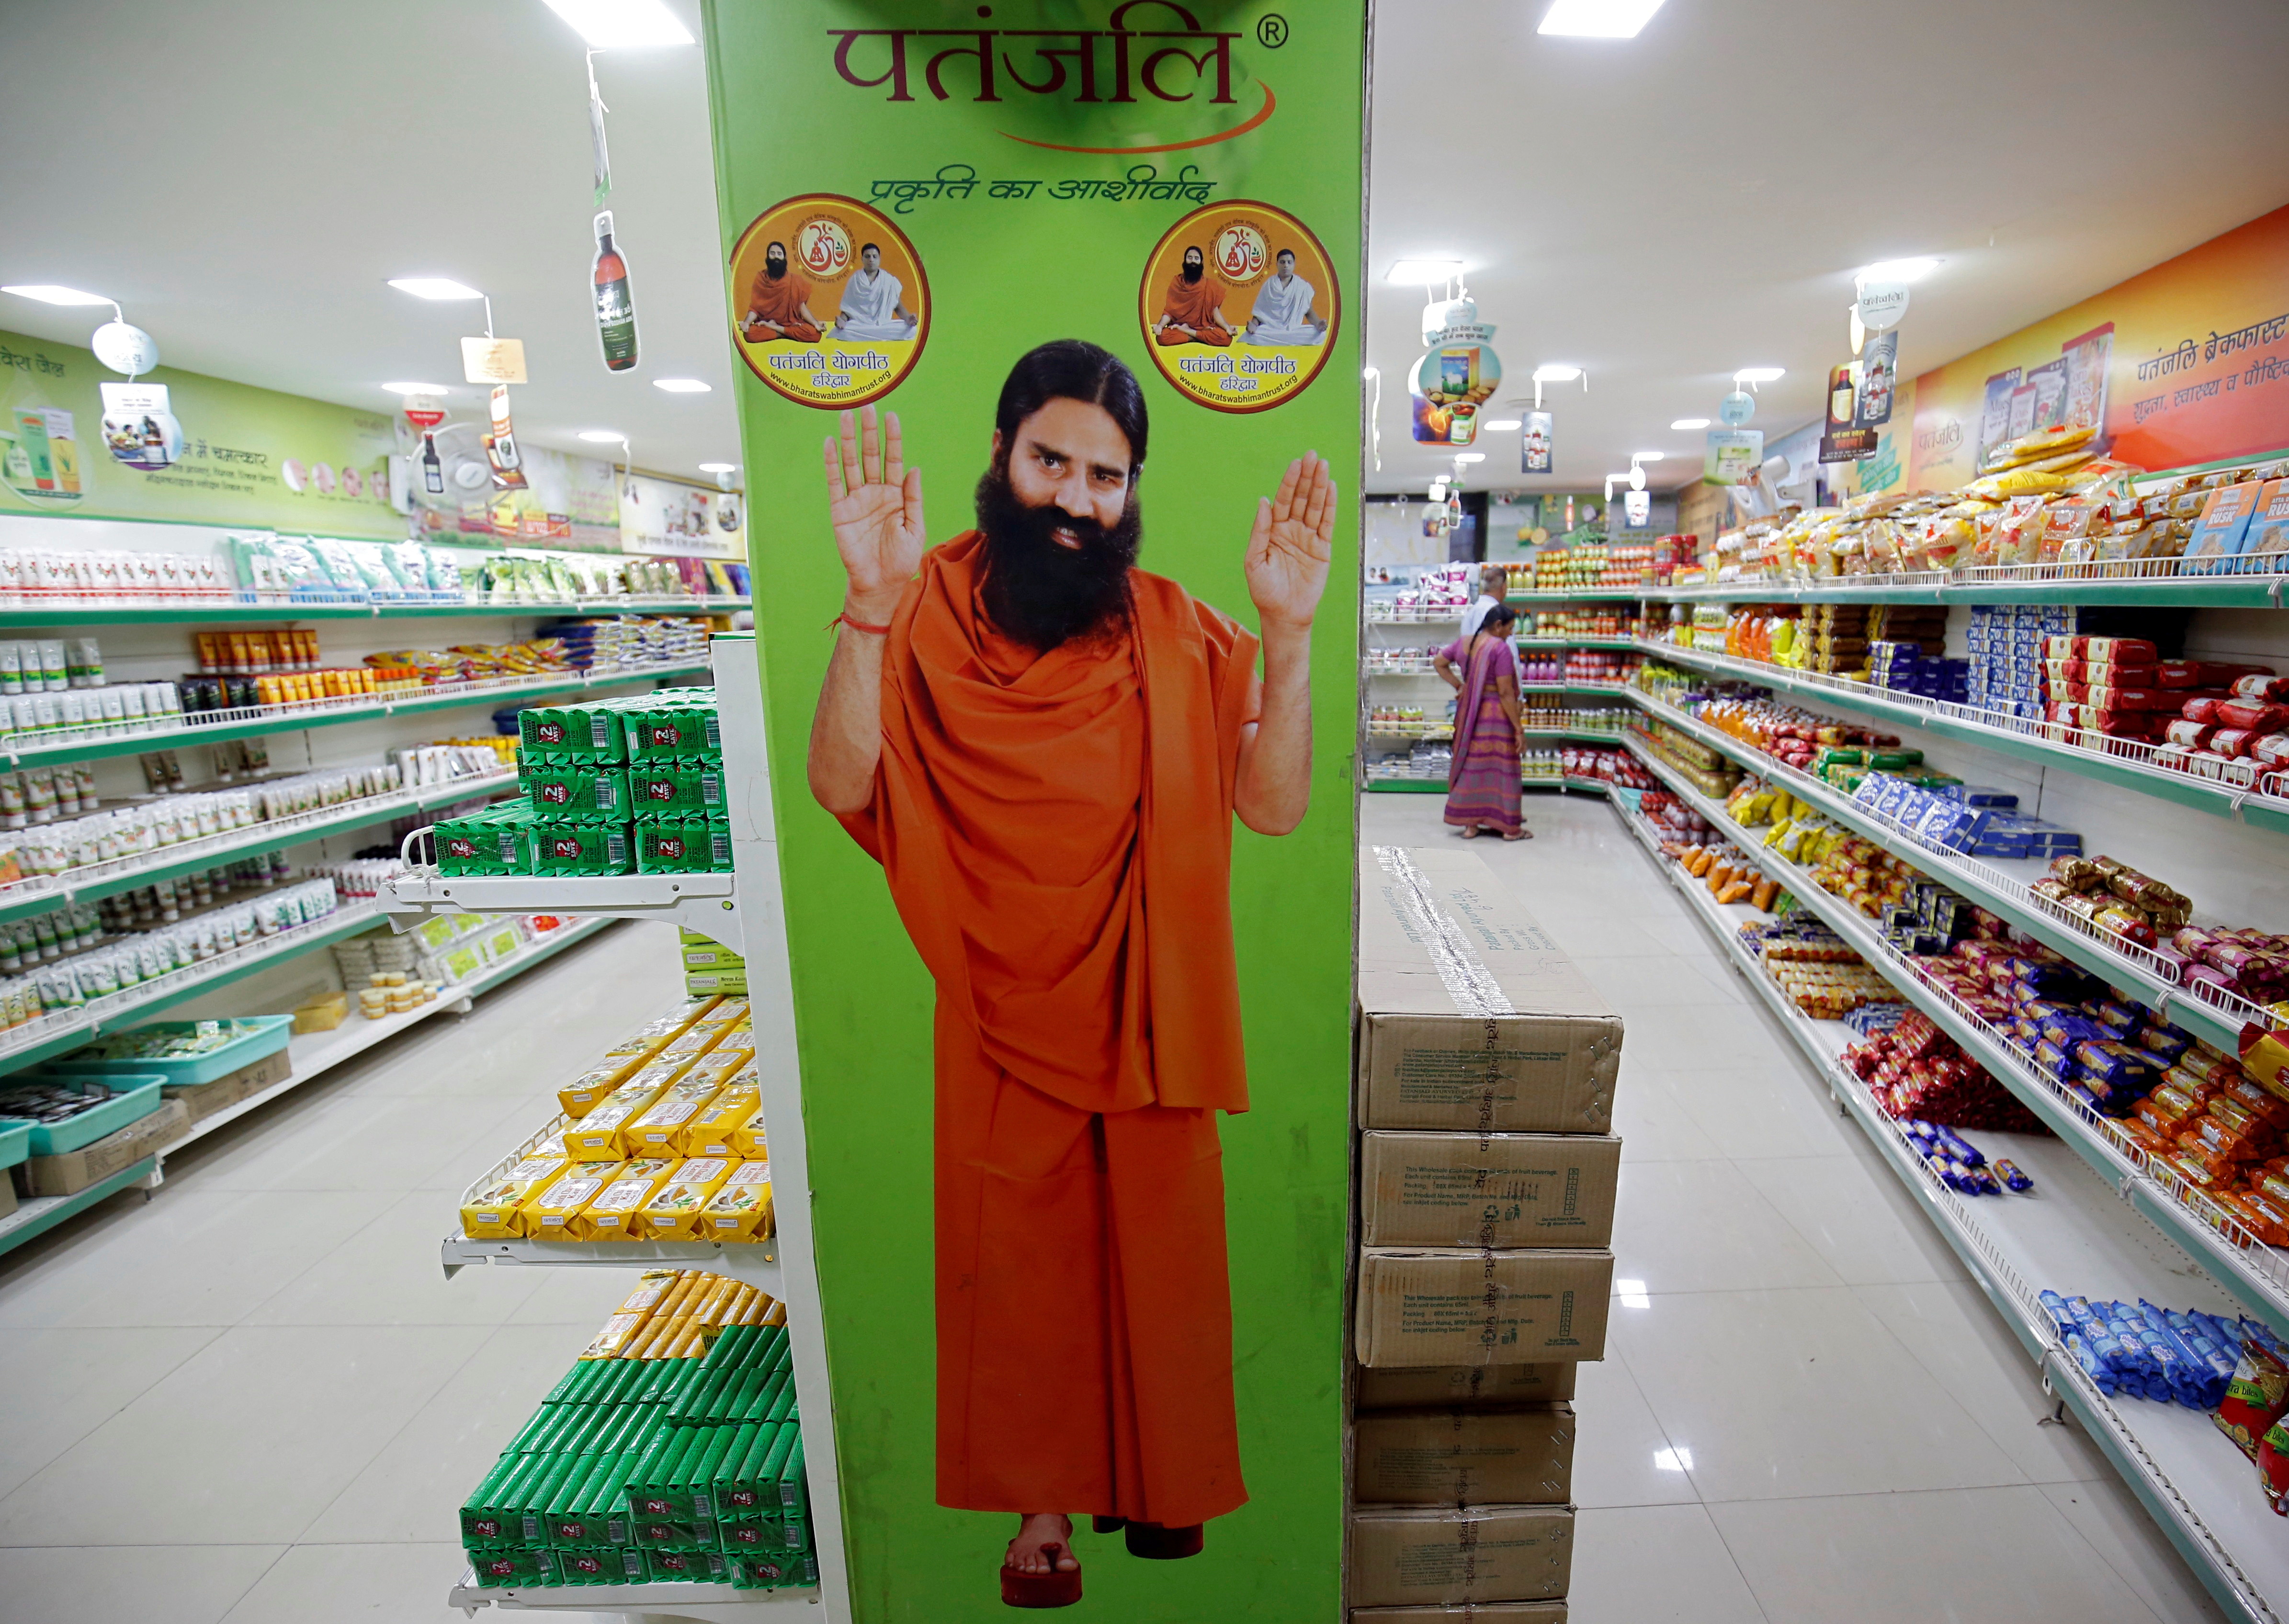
(1271, 33)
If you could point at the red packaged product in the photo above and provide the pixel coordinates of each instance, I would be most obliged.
(2254, 714)
(2189, 734)
(2233, 742)
(2273, 1467)
(2199, 710)
(2272, 750)
(2255, 1399)
(2130, 699)
(2262, 686)
(2116, 650)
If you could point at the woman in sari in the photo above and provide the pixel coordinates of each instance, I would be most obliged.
(1482, 780)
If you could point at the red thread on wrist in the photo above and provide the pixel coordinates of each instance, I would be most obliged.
(858, 625)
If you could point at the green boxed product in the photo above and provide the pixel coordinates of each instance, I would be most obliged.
(588, 731)
(560, 786)
(497, 840)
(687, 1566)
(674, 722)
(775, 1572)
(602, 1565)
(579, 846)
(691, 845)
(495, 1569)
(1892, 760)
(680, 786)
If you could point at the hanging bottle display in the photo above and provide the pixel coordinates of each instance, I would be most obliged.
(432, 470)
(616, 312)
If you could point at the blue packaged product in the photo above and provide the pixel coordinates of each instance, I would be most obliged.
(1963, 1150)
(2100, 1374)
(2104, 1061)
(2053, 1061)
(2055, 1306)
(2165, 1043)
(2121, 1019)
(1959, 1177)
(2065, 1031)
(2008, 1172)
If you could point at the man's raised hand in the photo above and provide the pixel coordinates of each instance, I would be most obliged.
(1291, 544)
(875, 503)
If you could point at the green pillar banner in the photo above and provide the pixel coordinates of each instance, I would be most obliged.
(1067, 854)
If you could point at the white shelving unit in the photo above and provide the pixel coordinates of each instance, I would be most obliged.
(744, 910)
(2072, 1234)
(664, 1601)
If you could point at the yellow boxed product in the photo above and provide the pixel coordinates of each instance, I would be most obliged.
(709, 1134)
(588, 1090)
(322, 1013)
(656, 1132)
(549, 1215)
(613, 1339)
(741, 1209)
(747, 1139)
(611, 1215)
(652, 1286)
(673, 1213)
(497, 1211)
(658, 1034)
(690, 1045)
(602, 1135)
(726, 1012)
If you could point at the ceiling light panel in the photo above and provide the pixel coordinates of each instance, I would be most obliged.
(49, 293)
(622, 24)
(434, 287)
(1423, 273)
(1594, 19)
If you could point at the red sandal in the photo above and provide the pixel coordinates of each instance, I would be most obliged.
(1053, 1588)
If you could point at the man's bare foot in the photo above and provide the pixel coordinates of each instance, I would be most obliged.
(1036, 1532)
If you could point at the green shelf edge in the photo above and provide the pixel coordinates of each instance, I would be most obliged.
(258, 840)
(2204, 1020)
(39, 1224)
(137, 744)
(2182, 1226)
(2182, 789)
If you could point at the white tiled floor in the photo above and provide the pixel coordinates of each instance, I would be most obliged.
(257, 1398)
(1809, 1415)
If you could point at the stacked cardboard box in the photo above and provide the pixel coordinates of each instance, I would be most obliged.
(1487, 1177)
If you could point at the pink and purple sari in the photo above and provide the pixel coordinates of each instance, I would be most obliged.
(1482, 781)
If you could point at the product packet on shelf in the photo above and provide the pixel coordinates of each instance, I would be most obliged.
(656, 1131)
(611, 1214)
(740, 1209)
(601, 1135)
(562, 787)
(589, 1090)
(549, 1215)
(569, 847)
(711, 1132)
(672, 1212)
(497, 1211)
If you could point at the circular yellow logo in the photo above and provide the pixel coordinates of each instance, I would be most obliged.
(830, 305)
(1241, 306)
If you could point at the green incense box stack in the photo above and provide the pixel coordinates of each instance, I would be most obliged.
(647, 1471)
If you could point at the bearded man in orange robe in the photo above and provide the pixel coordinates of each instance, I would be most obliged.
(1045, 747)
(778, 305)
(1193, 311)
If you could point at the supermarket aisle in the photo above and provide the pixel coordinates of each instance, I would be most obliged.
(1809, 1414)
(257, 1398)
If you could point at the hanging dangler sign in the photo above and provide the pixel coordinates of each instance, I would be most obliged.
(1537, 450)
(1736, 409)
(424, 410)
(1448, 387)
(507, 462)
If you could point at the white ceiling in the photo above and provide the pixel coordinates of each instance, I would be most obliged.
(245, 179)
(1666, 209)
(1659, 211)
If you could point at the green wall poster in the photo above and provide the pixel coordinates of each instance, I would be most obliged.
(1077, 1124)
(247, 456)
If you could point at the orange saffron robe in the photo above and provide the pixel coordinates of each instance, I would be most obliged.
(1057, 832)
(779, 302)
(1194, 304)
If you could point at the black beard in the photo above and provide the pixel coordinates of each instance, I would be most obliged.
(774, 268)
(1042, 594)
(1193, 272)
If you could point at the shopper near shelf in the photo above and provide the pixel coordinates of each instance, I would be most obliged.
(1483, 774)
(778, 305)
(1045, 746)
(1493, 582)
(1193, 311)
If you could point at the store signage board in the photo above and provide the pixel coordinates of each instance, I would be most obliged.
(1731, 454)
(955, 167)
(2187, 363)
(493, 360)
(669, 518)
(245, 457)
